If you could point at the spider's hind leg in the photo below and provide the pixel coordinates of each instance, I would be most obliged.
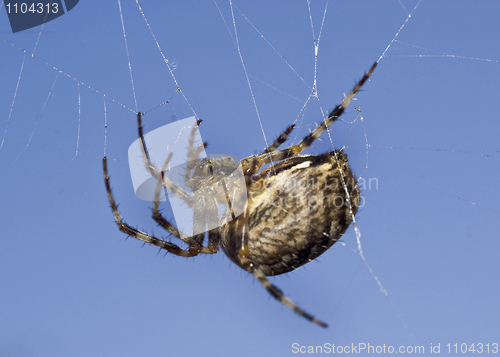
(275, 291)
(279, 155)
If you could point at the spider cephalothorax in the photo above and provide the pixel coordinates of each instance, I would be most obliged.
(288, 213)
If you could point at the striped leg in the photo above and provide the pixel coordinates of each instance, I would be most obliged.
(193, 153)
(266, 158)
(131, 231)
(275, 292)
(153, 170)
(195, 242)
(280, 140)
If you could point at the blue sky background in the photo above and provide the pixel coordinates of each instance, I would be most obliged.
(71, 285)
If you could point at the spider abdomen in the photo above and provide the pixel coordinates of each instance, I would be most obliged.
(298, 209)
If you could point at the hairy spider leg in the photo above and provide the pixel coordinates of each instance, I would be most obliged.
(191, 139)
(193, 161)
(274, 156)
(157, 216)
(280, 140)
(213, 245)
(193, 154)
(133, 232)
(205, 209)
(276, 292)
(194, 246)
(179, 192)
(195, 242)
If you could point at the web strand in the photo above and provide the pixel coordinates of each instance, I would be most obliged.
(399, 31)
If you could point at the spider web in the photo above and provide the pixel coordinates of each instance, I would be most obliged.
(426, 135)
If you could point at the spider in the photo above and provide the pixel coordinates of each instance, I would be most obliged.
(294, 210)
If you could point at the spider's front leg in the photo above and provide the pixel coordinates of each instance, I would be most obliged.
(195, 242)
(153, 170)
(133, 232)
(194, 246)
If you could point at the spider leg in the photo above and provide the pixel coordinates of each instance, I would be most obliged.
(334, 114)
(272, 289)
(193, 161)
(124, 227)
(280, 140)
(193, 154)
(194, 242)
(276, 292)
(266, 158)
(153, 170)
(252, 165)
(191, 139)
(202, 205)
